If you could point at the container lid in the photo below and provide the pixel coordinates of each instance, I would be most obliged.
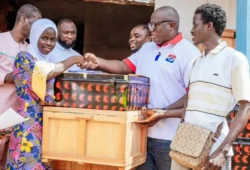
(97, 76)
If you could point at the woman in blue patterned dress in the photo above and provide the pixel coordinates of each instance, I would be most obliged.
(34, 77)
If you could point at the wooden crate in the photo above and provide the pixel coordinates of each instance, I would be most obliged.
(100, 137)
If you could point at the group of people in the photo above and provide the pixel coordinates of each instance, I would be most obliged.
(191, 87)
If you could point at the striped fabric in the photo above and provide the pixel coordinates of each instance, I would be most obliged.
(210, 98)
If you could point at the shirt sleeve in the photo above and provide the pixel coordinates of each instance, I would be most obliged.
(33, 73)
(5, 66)
(186, 64)
(132, 61)
(2, 68)
(75, 53)
(2, 77)
(39, 78)
(130, 64)
(240, 78)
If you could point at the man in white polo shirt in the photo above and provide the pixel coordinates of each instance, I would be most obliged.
(164, 61)
(219, 79)
(67, 34)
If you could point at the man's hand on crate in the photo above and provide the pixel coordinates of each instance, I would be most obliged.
(152, 116)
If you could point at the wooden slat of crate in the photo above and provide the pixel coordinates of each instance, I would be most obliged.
(65, 165)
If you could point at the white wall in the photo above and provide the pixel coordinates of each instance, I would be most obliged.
(186, 10)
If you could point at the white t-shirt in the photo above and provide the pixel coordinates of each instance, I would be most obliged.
(217, 81)
(166, 67)
(59, 54)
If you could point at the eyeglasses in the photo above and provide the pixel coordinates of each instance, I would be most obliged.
(152, 25)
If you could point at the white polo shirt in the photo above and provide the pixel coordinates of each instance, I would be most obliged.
(59, 54)
(217, 81)
(166, 67)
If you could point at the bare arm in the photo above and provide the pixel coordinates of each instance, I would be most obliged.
(178, 104)
(175, 110)
(238, 125)
(64, 65)
(154, 116)
(110, 66)
(5, 77)
(218, 157)
(9, 78)
(174, 113)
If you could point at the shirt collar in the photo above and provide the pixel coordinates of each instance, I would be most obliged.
(61, 47)
(217, 49)
(174, 41)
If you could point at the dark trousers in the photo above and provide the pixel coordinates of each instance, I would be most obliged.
(157, 155)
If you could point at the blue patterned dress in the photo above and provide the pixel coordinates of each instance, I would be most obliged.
(26, 139)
